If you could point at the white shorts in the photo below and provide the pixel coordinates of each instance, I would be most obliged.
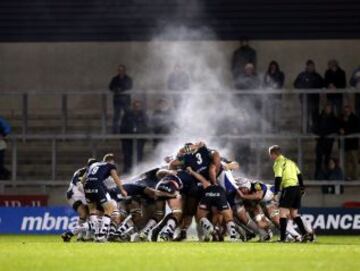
(77, 195)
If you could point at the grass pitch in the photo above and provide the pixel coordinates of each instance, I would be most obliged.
(36, 253)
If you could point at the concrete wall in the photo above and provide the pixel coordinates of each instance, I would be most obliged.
(90, 65)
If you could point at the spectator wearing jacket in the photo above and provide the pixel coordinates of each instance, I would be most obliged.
(118, 85)
(135, 121)
(273, 79)
(335, 78)
(310, 79)
(355, 83)
(350, 125)
(325, 126)
(5, 129)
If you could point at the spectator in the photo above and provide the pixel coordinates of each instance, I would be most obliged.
(162, 119)
(335, 78)
(273, 79)
(355, 83)
(310, 79)
(326, 125)
(5, 129)
(178, 80)
(349, 125)
(135, 121)
(249, 80)
(333, 172)
(118, 85)
(242, 56)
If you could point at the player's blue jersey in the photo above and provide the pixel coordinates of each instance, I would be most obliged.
(199, 161)
(77, 176)
(174, 179)
(148, 178)
(99, 172)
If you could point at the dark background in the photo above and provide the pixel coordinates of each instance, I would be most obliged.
(115, 20)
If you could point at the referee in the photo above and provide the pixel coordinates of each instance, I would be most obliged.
(288, 178)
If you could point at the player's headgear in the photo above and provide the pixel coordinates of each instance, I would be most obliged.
(187, 148)
(244, 183)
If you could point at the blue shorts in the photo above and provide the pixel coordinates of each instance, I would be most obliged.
(96, 192)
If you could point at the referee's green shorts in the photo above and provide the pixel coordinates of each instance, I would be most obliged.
(290, 197)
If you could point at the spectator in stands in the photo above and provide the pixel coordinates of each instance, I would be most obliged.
(349, 125)
(355, 83)
(335, 78)
(242, 56)
(273, 79)
(310, 79)
(118, 85)
(178, 80)
(249, 79)
(135, 121)
(333, 172)
(162, 119)
(325, 126)
(5, 129)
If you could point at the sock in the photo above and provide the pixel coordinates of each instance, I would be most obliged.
(81, 228)
(291, 230)
(113, 227)
(283, 224)
(252, 226)
(230, 226)
(94, 224)
(125, 225)
(206, 225)
(170, 227)
(105, 225)
(149, 226)
(200, 232)
(300, 225)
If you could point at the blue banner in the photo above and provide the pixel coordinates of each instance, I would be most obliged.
(342, 221)
(37, 220)
(56, 220)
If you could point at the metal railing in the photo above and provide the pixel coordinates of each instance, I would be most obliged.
(105, 96)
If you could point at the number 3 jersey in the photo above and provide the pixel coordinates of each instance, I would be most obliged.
(199, 161)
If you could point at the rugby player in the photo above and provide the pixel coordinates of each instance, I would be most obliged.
(202, 160)
(97, 194)
(76, 198)
(214, 198)
(264, 198)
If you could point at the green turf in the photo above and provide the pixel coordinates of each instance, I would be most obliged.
(35, 253)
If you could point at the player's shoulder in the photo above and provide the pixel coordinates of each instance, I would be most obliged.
(80, 172)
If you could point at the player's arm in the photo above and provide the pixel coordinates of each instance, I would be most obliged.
(205, 183)
(161, 173)
(175, 164)
(233, 165)
(215, 167)
(253, 196)
(278, 171)
(118, 182)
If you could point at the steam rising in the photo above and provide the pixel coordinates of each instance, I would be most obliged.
(207, 109)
